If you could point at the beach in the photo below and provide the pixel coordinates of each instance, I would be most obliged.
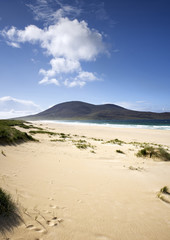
(77, 184)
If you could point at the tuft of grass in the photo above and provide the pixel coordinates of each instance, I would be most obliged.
(145, 144)
(83, 145)
(116, 141)
(2, 152)
(165, 190)
(75, 135)
(79, 141)
(164, 154)
(58, 140)
(41, 132)
(119, 151)
(64, 136)
(7, 206)
(162, 194)
(155, 152)
(138, 144)
(97, 139)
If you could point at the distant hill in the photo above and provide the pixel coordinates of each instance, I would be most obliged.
(76, 110)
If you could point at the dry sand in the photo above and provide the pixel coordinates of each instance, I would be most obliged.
(66, 193)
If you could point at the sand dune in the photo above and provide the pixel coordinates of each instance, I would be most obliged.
(64, 192)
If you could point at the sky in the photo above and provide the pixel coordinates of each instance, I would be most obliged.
(54, 51)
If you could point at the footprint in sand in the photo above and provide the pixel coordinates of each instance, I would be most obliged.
(32, 227)
(54, 221)
(51, 199)
(53, 206)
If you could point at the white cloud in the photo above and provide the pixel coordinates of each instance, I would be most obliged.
(86, 76)
(80, 80)
(61, 65)
(68, 42)
(12, 107)
(74, 83)
(47, 81)
(13, 44)
(30, 34)
(44, 10)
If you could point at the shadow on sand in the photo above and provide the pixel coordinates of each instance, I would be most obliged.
(8, 223)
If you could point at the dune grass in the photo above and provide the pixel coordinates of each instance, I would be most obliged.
(19, 123)
(41, 132)
(2, 152)
(83, 144)
(116, 141)
(61, 135)
(10, 216)
(10, 135)
(120, 151)
(7, 206)
(154, 152)
(165, 190)
(64, 135)
(97, 139)
(162, 194)
(13, 123)
(58, 140)
(79, 141)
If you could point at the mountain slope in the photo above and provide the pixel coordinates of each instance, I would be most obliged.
(76, 110)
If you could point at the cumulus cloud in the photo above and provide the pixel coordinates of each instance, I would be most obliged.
(74, 83)
(47, 81)
(12, 107)
(81, 79)
(61, 65)
(86, 76)
(70, 39)
(68, 42)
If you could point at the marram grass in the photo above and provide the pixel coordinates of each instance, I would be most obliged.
(7, 206)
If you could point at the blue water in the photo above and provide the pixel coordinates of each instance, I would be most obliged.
(143, 124)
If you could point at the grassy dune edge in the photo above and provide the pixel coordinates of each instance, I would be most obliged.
(10, 135)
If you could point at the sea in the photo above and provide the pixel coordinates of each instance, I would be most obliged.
(140, 124)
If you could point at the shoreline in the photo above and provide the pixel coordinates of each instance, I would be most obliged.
(107, 124)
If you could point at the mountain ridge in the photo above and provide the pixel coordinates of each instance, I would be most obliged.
(77, 110)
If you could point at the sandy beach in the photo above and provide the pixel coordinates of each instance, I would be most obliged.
(67, 193)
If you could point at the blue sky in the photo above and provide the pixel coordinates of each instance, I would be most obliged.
(53, 51)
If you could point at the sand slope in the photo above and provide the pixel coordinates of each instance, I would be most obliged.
(67, 193)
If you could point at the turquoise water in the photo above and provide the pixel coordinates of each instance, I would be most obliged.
(145, 124)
